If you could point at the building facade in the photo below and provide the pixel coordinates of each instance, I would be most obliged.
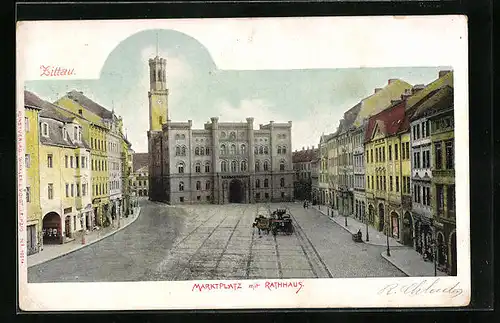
(387, 153)
(64, 173)
(34, 237)
(302, 160)
(321, 192)
(101, 129)
(222, 163)
(332, 171)
(358, 138)
(114, 139)
(140, 181)
(127, 167)
(443, 183)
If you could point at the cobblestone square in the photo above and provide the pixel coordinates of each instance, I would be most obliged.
(217, 242)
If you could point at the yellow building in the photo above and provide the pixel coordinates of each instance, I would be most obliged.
(387, 159)
(63, 173)
(96, 132)
(33, 208)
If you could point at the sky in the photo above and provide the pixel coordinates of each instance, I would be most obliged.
(313, 99)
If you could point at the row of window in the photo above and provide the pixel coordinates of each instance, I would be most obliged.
(70, 189)
(421, 130)
(449, 208)
(76, 162)
(380, 156)
(233, 166)
(380, 183)
(78, 189)
(140, 183)
(422, 195)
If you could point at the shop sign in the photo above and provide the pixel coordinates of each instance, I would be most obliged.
(68, 210)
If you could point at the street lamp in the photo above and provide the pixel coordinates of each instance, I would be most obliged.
(434, 249)
(387, 238)
(366, 222)
(344, 196)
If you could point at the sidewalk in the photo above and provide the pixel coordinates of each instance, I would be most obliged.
(411, 263)
(376, 238)
(51, 252)
(402, 257)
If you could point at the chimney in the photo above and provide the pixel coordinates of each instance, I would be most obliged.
(390, 81)
(416, 88)
(377, 90)
(303, 148)
(443, 73)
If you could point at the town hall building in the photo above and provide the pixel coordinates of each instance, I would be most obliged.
(225, 162)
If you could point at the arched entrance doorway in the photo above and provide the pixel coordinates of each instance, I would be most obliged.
(453, 255)
(395, 224)
(407, 229)
(51, 228)
(236, 191)
(140, 192)
(145, 192)
(381, 217)
(441, 250)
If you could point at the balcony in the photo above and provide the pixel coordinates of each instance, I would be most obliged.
(443, 173)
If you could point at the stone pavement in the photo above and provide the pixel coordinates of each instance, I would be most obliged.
(50, 252)
(411, 263)
(377, 238)
(402, 257)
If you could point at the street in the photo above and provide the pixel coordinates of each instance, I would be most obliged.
(195, 242)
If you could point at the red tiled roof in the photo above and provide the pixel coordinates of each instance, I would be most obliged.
(139, 160)
(303, 156)
(391, 121)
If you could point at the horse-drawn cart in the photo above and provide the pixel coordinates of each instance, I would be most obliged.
(281, 221)
(262, 221)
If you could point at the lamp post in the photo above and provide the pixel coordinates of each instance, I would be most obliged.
(387, 238)
(366, 222)
(343, 206)
(434, 249)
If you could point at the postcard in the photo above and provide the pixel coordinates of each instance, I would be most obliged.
(243, 163)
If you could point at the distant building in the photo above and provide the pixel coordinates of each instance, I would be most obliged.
(140, 175)
(302, 165)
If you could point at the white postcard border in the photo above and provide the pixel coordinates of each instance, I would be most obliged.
(314, 293)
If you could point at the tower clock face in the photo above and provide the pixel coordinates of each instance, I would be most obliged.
(160, 101)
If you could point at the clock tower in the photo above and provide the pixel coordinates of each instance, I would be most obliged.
(158, 93)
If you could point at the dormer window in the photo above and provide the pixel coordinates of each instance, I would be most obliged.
(45, 129)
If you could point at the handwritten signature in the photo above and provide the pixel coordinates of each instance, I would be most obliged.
(49, 70)
(423, 287)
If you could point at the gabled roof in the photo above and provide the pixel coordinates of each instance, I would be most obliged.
(436, 100)
(446, 79)
(139, 160)
(389, 121)
(90, 105)
(381, 100)
(48, 110)
(349, 117)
